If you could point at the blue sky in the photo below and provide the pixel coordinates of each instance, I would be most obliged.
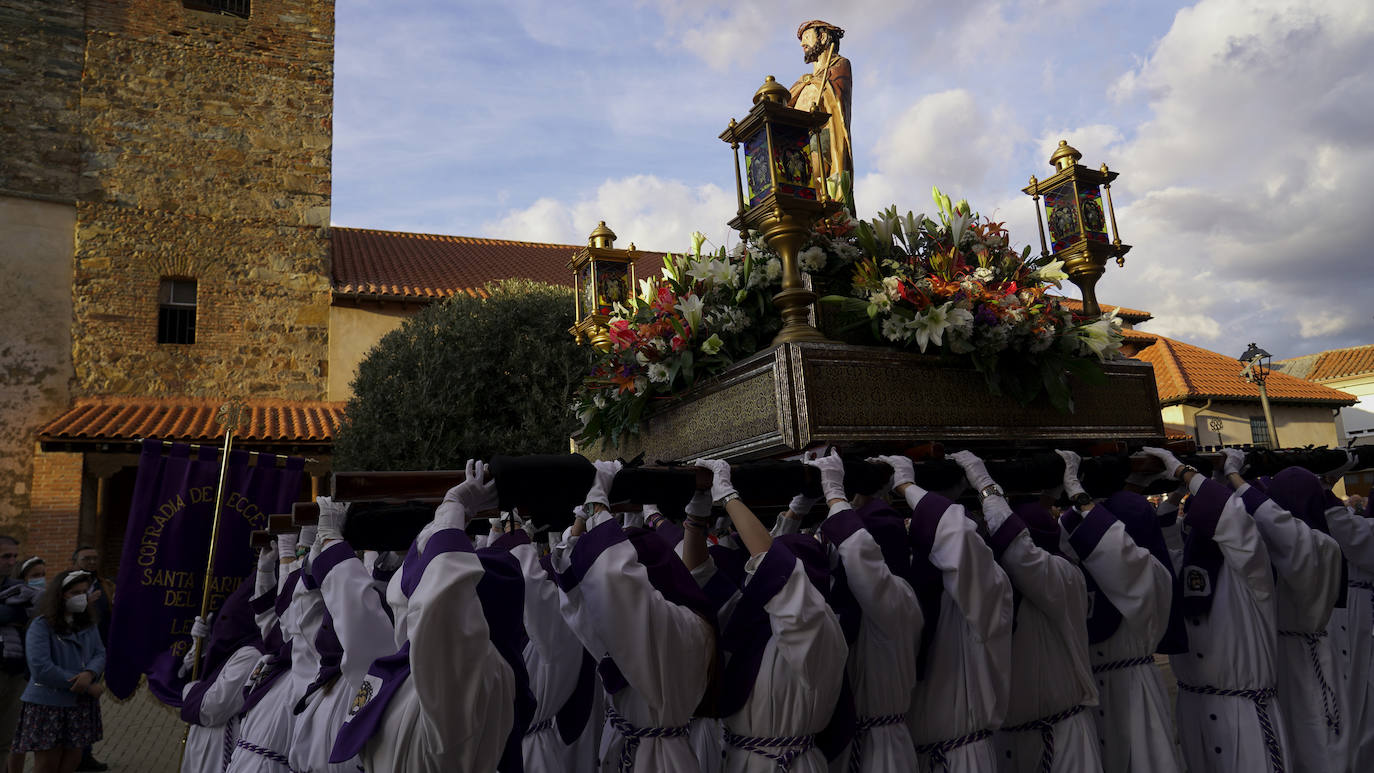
(1242, 129)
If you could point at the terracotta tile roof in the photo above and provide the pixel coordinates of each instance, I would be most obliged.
(120, 418)
(395, 265)
(1186, 372)
(1332, 364)
(1133, 316)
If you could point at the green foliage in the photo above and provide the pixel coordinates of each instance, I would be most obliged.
(467, 378)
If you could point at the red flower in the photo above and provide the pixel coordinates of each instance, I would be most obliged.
(678, 343)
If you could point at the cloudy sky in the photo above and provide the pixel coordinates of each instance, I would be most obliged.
(1243, 131)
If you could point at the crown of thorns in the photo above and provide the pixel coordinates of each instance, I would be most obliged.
(835, 32)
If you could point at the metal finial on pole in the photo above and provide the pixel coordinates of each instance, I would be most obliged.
(232, 415)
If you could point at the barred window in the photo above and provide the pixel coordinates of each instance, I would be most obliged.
(239, 8)
(1259, 431)
(176, 311)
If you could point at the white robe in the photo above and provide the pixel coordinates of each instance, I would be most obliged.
(1351, 630)
(267, 724)
(1233, 647)
(219, 709)
(967, 678)
(882, 660)
(1308, 563)
(363, 628)
(456, 709)
(798, 681)
(305, 618)
(1051, 673)
(662, 649)
(553, 658)
(1134, 715)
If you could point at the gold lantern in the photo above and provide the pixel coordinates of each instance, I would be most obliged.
(1077, 226)
(779, 196)
(602, 278)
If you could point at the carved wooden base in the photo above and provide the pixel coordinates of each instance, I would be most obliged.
(797, 395)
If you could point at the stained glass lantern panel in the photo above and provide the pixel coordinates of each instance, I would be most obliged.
(792, 162)
(757, 167)
(1090, 208)
(612, 285)
(1061, 214)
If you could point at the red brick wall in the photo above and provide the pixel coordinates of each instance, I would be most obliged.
(55, 506)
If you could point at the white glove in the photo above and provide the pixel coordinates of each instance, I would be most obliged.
(721, 487)
(188, 661)
(832, 475)
(600, 492)
(307, 537)
(333, 516)
(903, 471)
(801, 505)
(475, 492)
(974, 470)
(700, 505)
(267, 571)
(286, 547)
(199, 628)
(1234, 462)
(1171, 462)
(1072, 486)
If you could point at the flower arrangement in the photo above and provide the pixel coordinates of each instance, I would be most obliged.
(953, 286)
(956, 286)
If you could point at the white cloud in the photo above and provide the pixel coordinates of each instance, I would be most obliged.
(1246, 183)
(654, 213)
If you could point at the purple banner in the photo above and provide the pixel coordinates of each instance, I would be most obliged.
(162, 569)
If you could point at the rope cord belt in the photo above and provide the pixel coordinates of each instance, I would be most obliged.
(939, 750)
(1045, 726)
(782, 749)
(228, 747)
(633, 734)
(1261, 700)
(1117, 665)
(861, 728)
(1330, 706)
(539, 727)
(262, 751)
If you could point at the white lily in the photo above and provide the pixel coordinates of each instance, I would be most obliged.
(1103, 336)
(895, 330)
(1051, 273)
(648, 288)
(712, 344)
(691, 307)
(929, 327)
(698, 239)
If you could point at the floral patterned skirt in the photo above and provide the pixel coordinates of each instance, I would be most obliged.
(49, 727)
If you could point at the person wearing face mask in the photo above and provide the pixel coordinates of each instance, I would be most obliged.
(60, 714)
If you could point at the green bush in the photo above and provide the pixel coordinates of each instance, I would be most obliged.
(468, 377)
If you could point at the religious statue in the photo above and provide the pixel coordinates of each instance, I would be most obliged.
(828, 86)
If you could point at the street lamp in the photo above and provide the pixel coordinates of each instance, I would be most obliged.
(1256, 371)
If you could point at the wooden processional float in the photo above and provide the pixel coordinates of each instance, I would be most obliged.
(387, 509)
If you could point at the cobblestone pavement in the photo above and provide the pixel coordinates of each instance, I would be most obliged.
(141, 736)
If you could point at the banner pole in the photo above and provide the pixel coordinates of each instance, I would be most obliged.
(230, 416)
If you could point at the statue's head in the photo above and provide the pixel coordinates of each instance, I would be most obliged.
(816, 36)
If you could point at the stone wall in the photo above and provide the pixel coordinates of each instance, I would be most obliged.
(206, 156)
(41, 49)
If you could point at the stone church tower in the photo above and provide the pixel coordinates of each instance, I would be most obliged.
(164, 206)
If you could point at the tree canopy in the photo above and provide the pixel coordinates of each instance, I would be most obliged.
(469, 377)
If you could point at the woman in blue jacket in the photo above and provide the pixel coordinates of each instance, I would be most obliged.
(60, 711)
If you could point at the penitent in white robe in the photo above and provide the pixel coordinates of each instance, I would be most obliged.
(882, 660)
(967, 681)
(553, 658)
(799, 679)
(267, 725)
(217, 725)
(1352, 636)
(1051, 674)
(662, 649)
(1134, 715)
(1308, 564)
(363, 627)
(1232, 647)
